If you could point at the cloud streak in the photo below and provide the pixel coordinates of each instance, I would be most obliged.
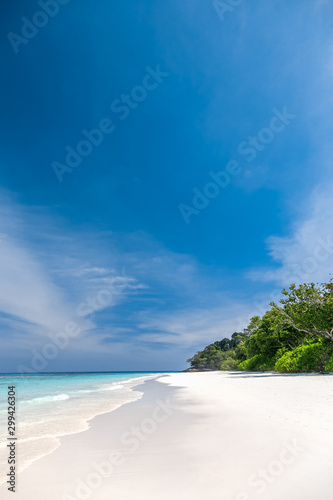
(307, 254)
(42, 284)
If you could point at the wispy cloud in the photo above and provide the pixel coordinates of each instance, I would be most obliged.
(42, 282)
(188, 328)
(307, 254)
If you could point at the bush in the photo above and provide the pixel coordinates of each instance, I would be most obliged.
(329, 365)
(229, 364)
(259, 362)
(305, 358)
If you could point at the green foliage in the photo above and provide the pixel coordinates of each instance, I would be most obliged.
(259, 362)
(229, 364)
(312, 357)
(294, 336)
(240, 352)
(210, 358)
(218, 356)
(308, 308)
(329, 365)
(253, 326)
(270, 335)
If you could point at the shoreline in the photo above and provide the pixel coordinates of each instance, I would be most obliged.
(35, 448)
(200, 434)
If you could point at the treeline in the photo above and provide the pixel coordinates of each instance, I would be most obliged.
(295, 335)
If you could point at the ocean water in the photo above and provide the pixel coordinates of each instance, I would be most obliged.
(49, 406)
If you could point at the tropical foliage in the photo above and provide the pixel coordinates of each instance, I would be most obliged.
(295, 335)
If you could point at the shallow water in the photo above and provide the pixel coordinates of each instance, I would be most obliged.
(52, 405)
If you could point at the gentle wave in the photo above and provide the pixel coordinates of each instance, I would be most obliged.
(93, 391)
(112, 388)
(147, 377)
(47, 399)
(44, 421)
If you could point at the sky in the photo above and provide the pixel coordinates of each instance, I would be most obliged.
(165, 172)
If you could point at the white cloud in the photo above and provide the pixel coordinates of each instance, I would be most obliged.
(46, 274)
(26, 291)
(306, 255)
(194, 327)
(47, 271)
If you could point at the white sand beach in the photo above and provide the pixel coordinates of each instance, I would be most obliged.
(214, 435)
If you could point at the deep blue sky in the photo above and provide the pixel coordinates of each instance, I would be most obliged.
(114, 222)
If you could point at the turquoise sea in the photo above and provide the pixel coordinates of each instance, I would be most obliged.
(49, 406)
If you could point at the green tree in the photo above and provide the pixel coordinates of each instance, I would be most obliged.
(308, 309)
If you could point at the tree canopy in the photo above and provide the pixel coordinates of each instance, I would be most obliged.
(294, 335)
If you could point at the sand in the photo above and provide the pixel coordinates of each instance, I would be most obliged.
(192, 436)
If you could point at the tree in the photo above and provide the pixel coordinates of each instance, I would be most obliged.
(220, 355)
(308, 309)
(296, 335)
